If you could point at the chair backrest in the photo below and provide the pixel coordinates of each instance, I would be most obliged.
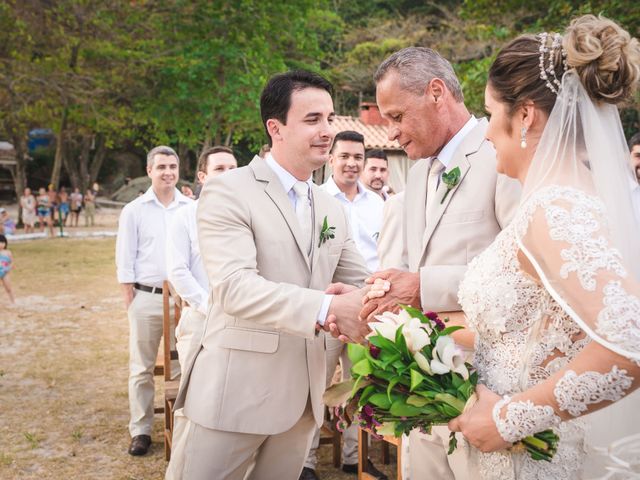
(169, 325)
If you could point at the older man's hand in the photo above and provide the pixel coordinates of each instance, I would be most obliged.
(404, 288)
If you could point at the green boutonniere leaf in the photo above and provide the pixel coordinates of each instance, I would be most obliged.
(450, 179)
(326, 232)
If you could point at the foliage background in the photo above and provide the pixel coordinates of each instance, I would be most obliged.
(112, 79)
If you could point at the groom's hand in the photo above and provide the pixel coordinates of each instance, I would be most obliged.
(342, 319)
(405, 290)
(339, 288)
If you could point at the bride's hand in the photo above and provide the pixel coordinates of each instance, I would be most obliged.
(379, 287)
(477, 424)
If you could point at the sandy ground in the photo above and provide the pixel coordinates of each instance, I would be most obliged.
(63, 370)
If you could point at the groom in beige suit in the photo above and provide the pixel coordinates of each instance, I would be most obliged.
(253, 393)
(444, 225)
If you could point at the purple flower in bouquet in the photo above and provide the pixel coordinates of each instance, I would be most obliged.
(433, 316)
(374, 351)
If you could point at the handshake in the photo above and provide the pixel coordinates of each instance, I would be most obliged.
(352, 308)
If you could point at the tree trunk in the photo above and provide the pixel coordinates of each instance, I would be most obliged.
(70, 164)
(98, 159)
(60, 144)
(61, 137)
(185, 166)
(20, 172)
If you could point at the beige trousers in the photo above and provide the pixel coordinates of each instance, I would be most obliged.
(145, 331)
(336, 352)
(200, 453)
(428, 456)
(188, 335)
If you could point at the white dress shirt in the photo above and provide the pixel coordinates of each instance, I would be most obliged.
(635, 199)
(365, 217)
(185, 269)
(446, 154)
(288, 181)
(140, 246)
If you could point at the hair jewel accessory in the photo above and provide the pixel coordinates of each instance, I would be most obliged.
(548, 73)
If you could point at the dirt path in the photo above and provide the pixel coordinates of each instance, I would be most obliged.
(63, 370)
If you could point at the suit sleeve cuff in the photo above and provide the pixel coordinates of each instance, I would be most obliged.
(324, 310)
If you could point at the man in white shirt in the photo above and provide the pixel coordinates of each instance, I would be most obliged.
(375, 173)
(364, 211)
(141, 270)
(185, 269)
(364, 208)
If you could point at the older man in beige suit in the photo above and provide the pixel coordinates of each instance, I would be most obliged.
(253, 393)
(455, 204)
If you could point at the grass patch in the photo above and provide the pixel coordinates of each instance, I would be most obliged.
(32, 438)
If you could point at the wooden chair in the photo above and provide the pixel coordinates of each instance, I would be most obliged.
(331, 437)
(170, 365)
(363, 454)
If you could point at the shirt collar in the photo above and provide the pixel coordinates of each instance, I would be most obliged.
(333, 189)
(286, 179)
(446, 154)
(178, 198)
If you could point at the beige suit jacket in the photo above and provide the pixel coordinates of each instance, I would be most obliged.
(260, 357)
(391, 251)
(461, 227)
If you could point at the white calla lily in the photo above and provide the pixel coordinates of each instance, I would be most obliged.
(387, 330)
(423, 363)
(416, 337)
(447, 357)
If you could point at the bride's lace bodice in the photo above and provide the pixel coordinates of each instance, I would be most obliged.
(522, 337)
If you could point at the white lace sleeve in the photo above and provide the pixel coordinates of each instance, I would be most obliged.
(565, 237)
(574, 393)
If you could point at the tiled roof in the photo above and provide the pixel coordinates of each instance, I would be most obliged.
(375, 136)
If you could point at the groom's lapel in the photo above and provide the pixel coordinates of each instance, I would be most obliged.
(470, 145)
(274, 190)
(320, 211)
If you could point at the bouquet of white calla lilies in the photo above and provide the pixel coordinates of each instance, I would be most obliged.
(412, 375)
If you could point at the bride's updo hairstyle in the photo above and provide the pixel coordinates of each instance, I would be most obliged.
(603, 55)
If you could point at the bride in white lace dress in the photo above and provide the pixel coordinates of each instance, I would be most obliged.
(555, 301)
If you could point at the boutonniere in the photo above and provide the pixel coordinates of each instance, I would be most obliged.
(450, 179)
(326, 232)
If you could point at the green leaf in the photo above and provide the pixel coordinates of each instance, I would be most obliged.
(362, 368)
(399, 408)
(394, 381)
(383, 343)
(417, 401)
(380, 400)
(450, 401)
(416, 379)
(387, 429)
(339, 393)
(356, 352)
(453, 443)
(456, 380)
(450, 330)
(366, 393)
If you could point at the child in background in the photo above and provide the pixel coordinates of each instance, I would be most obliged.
(6, 261)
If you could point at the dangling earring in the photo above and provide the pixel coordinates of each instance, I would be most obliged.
(523, 138)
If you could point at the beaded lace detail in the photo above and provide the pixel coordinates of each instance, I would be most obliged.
(574, 393)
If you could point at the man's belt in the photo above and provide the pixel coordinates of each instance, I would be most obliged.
(146, 288)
